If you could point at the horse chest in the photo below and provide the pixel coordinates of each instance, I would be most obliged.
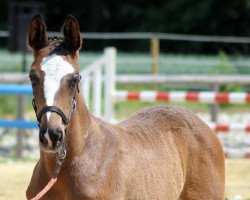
(87, 188)
(89, 181)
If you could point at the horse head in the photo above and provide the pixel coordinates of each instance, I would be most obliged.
(54, 76)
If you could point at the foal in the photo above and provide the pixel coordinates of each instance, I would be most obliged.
(159, 153)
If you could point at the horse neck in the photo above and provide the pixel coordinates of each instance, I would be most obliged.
(77, 129)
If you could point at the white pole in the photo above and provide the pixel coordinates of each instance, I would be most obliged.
(97, 92)
(85, 88)
(110, 71)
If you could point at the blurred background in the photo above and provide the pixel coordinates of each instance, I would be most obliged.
(183, 46)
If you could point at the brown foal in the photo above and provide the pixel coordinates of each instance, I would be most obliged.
(162, 152)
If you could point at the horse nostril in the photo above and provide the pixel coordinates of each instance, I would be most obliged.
(59, 133)
(42, 138)
(56, 134)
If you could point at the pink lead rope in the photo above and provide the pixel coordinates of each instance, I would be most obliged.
(45, 190)
(59, 160)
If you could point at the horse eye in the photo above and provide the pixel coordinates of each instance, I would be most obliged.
(74, 80)
(33, 79)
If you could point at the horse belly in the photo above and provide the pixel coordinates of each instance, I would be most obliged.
(157, 184)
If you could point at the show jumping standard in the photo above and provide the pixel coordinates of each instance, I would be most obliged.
(160, 153)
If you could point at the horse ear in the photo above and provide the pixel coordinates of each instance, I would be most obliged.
(37, 36)
(72, 40)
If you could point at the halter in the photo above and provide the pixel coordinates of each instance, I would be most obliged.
(55, 109)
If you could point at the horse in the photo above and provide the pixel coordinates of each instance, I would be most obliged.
(161, 152)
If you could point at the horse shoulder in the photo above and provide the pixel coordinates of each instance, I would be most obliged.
(94, 172)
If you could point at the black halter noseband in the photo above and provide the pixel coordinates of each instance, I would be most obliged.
(55, 109)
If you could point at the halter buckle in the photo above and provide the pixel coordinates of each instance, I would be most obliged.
(74, 104)
(61, 154)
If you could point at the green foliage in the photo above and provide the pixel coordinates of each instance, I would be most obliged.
(225, 68)
(8, 106)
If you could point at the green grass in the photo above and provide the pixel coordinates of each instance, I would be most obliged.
(12, 62)
(140, 63)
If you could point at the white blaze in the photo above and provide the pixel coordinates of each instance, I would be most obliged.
(55, 68)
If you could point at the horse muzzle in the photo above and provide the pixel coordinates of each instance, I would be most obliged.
(51, 136)
(51, 139)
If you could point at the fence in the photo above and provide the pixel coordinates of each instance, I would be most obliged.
(20, 123)
(112, 96)
(100, 78)
(105, 69)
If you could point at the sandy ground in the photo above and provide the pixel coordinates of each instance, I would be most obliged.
(14, 180)
(238, 178)
(16, 176)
